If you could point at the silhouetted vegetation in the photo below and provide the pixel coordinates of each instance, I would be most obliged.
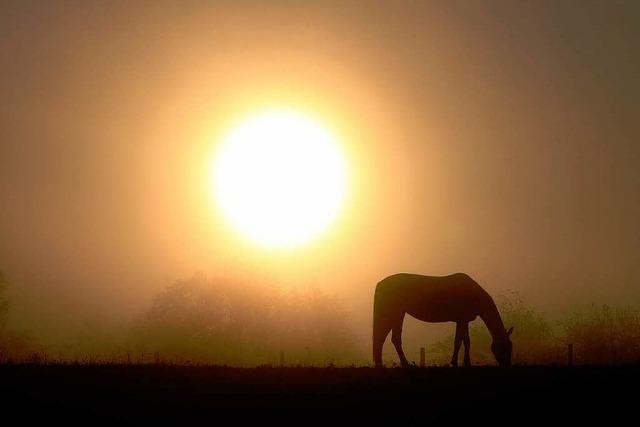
(12, 346)
(599, 335)
(202, 320)
(141, 395)
(534, 340)
(211, 321)
(4, 302)
(605, 335)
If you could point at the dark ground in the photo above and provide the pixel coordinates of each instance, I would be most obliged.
(189, 395)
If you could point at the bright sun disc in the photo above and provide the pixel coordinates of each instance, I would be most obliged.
(279, 178)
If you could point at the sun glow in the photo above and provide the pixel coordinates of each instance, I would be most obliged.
(280, 178)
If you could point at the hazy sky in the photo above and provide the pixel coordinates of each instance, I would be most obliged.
(496, 138)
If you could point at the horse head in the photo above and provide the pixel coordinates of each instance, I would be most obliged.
(501, 349)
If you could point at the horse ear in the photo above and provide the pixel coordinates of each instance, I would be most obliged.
(509, 331)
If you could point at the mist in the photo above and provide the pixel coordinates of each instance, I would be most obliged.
(493, 138)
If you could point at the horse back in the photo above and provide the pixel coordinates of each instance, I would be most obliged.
(455, 297)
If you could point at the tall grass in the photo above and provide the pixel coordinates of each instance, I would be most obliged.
(206, 321)
(534, 339)
(599, 335)
(210, 321)
(604, 335)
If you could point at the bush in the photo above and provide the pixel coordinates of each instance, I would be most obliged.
(208, 321)
(4, 303)
(534, 341)
(13, 347)
(605, 335)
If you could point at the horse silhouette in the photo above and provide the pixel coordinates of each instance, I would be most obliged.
(454, 298)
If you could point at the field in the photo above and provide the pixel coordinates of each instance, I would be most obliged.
(189, 395)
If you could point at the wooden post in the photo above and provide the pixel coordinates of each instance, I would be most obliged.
(570, 354)
(422, 357)
(281, 359)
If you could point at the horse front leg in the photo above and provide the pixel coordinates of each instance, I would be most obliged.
(456, 344)
(396, 339)
(467, 343)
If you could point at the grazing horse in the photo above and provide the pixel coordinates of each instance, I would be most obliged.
(454, 298)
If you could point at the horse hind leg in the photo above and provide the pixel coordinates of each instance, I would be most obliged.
(456, 344)
(380, 332)
(396, 339)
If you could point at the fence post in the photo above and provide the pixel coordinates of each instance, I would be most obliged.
(570, 354)
(281, 359)
(422, 357)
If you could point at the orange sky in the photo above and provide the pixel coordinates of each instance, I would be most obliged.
(486, 137)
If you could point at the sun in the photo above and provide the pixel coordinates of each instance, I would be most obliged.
(280, 178)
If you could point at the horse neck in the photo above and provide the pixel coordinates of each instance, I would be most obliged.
(492, 319)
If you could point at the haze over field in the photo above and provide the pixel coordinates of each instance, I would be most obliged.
(495, 138)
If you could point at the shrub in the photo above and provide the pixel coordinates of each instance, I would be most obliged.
(604, 335)
(13, 347)
(534, 341)
(211, 321)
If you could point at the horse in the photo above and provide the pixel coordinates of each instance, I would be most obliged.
(453, 298)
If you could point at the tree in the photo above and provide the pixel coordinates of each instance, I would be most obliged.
(12, 346)
(4, 302)
(217, 321)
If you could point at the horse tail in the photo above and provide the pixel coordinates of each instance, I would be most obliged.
(379, 333)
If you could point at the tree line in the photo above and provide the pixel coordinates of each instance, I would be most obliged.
(205, 320)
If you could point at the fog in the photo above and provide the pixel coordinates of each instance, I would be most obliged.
(495, 138)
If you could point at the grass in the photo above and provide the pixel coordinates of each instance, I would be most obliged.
(188, 395)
